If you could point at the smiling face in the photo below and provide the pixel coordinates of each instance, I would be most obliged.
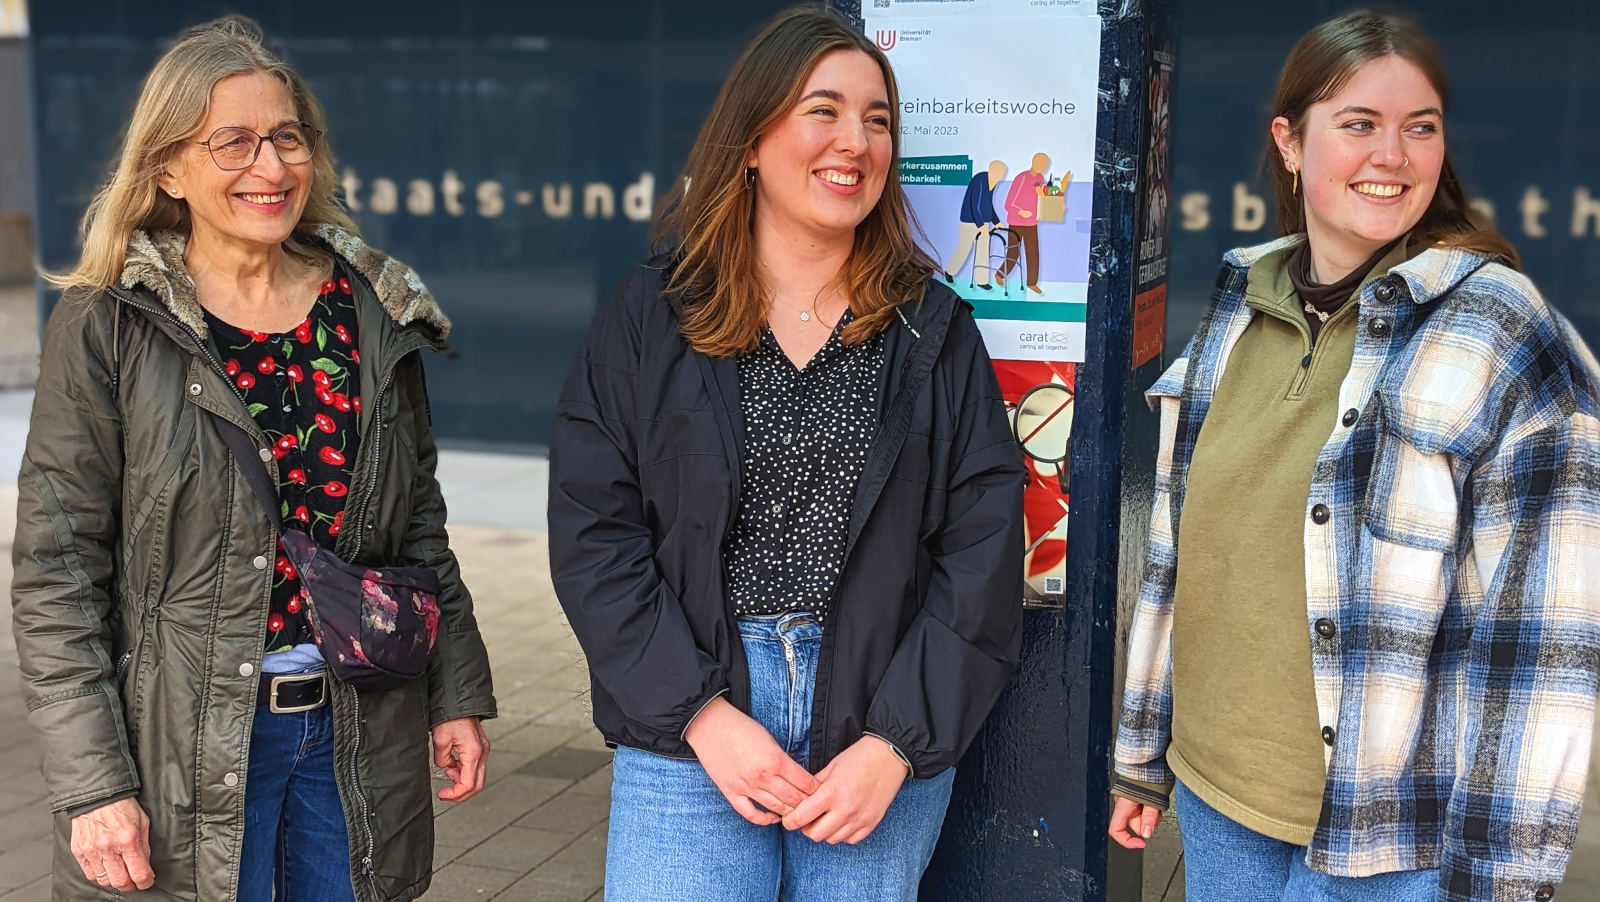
(821, 168)
(1369, 158)
(257, 205)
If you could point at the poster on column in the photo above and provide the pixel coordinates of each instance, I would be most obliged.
(998, 108)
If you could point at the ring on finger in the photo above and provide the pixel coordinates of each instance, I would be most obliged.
(102, 875)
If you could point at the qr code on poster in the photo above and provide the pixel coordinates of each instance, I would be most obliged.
(1052, 585)
(881, 4)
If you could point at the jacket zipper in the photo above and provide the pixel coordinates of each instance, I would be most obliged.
(355, 783)
(167, 315)
(122, 665)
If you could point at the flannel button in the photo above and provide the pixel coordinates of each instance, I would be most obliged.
(1544, 893)
(1319, 514)
(1385, 291)
(1326, 628)
(1350, 417)
(1379, 327)
(1327, 735)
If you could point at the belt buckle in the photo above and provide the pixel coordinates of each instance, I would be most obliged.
(272, 692)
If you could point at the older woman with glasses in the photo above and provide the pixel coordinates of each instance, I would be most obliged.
(195, 743)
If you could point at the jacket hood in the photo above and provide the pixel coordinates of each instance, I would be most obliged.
(155, 260)
(1429, 275)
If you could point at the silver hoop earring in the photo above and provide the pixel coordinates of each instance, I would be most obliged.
(749, 177)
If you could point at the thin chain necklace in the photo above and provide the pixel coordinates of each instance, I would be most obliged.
(805, 315)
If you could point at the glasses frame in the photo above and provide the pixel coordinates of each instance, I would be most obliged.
(312, 134)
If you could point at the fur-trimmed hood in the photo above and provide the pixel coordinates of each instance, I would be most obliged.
(155, 260)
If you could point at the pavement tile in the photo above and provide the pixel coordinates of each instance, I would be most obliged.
(23, 864)
(37, 891)
(457, 882)
(483, 815)
(569, 813)
(597, 783)
(516, 849)
(566, 763)
(535, 739)
(581, 864)
(537, 888)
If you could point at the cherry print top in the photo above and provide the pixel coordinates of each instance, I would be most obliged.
(301, 387)
(805, 443)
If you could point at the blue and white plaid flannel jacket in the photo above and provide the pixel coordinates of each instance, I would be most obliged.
(1460, 562)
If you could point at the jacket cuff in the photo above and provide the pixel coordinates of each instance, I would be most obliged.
(684, 733)
(1464, 879)
(1156, 794)
(910, 771)
(86, 807)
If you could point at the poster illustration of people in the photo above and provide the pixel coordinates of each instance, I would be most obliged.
(998, 102)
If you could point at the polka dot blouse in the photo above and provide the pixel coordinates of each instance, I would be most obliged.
(805, 442)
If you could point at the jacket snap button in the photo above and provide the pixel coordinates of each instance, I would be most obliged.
(1319, 514)
(1545, 893)
(1384, 291)
(1379, 327)
(1327, 735)
(230, 779)
(265, 455)
(259, 562)
(194, 388)
(1325, 628)
(247, 669)
(1350, 417)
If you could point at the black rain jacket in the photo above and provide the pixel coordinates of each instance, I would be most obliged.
(924, 626)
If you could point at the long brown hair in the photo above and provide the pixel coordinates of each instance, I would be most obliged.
(1319, 66)
(706, 220)
(173, 104)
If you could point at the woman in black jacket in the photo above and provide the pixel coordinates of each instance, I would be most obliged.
(785, 505)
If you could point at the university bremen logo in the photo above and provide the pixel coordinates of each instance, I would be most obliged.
(887, 40)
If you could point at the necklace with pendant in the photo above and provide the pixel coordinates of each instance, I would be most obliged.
(1321, 317)
(805, 315)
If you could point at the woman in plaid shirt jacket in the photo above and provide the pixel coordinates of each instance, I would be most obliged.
(1436, 746)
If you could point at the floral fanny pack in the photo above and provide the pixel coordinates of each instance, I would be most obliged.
(376, 628)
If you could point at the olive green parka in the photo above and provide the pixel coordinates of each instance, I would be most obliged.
(143, 574)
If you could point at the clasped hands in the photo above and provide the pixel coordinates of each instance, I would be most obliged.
(842, 803)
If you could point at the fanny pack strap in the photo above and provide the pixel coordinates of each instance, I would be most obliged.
(250, 464)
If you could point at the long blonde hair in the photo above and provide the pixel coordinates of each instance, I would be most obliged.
(173, 104)
(706, 221)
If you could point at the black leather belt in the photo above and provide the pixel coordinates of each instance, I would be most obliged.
(288, 693)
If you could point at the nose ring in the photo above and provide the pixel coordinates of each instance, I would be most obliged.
(1405, 162)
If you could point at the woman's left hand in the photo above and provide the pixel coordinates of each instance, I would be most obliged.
(857, 787)
(462, 749)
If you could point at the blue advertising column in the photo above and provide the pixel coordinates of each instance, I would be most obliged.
(1035, 154)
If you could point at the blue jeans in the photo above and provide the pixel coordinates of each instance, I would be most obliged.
(674, 838)
(294, 835)
(1224, 861)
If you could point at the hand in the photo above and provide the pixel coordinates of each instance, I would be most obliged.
(112, 845)
(984, 229)
(747, 765)
(462, 749)
(1024, 214)
(857, 787)
(1133, 823)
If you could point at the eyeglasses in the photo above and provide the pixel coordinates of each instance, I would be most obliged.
(233, 148)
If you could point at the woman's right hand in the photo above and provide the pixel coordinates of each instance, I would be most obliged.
(112, 845)
(1132, 823)
(747, 764)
